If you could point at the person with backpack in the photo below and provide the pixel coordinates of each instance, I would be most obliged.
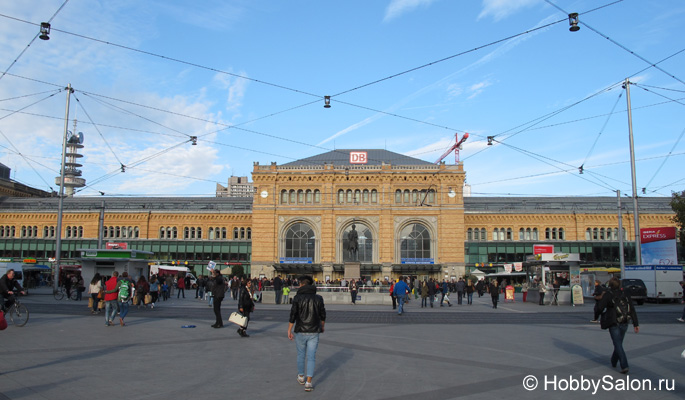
(124, 286)
(617, 311)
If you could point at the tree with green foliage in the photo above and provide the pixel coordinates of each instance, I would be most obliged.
(678, 207)
(237, 270)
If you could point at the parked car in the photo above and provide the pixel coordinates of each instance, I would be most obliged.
(636, 289)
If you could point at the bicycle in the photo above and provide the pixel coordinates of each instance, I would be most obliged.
(60, 292)
(18, 313)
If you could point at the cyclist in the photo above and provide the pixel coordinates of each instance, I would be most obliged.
(7, 286)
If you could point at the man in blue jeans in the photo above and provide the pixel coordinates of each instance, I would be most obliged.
(307, 316)
(616, 319)
(401, 290)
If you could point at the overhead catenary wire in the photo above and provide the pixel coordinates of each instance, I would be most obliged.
(599, 134)
(31, 42)
(651, 64)
(282, 156)
(97, 129)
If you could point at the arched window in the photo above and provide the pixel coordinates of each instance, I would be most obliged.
(223, 233)
(300, 196)
(364, 244)
(406, 196)
(341, 196)
(300, 242)
(483, 234)
(595, 234)
(350, 198)
(80, 231)
(374, 196)
(317, 196)
(284, 197)
(211, 234)
(495, 234)
(357, 196)
(175, 232)
(510, 234)
(398, 196)
(162, 232)
(186, 233)
(431, 196)
(293, 196)
(414, 196)
(308, 196)
(601, 234)
(199, 233)
(561, 236)
(415, 243)
(242, 233)
(365, 196)
(588, 234)
(249, 233)
(235, 233)
(469, 234)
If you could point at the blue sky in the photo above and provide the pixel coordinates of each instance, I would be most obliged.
(248, 79)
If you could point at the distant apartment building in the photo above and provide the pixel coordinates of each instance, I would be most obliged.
(238, 186)
(9, 187)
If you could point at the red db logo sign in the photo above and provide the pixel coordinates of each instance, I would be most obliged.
(358, 157)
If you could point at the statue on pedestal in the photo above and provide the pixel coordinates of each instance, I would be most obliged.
(353, 243)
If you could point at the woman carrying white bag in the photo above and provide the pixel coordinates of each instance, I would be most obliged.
(245, 306)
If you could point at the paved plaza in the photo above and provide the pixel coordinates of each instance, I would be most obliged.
(367, 352)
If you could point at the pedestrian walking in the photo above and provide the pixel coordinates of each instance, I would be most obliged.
(111, 295)
(286, 294)
(94, 289)
(445, 293)
(494, 293)
(181, 286)
(125, 289)
(597, 294)
(218, 292)
(142, 289)
(306, 323)
(401, 289)
(617, 311)
(469, 292)
(524, 290)
(278, 288)
(392, 295)
(245, 306)
(431, 291)
(154, 290)
(424, 294)
(543, 290)
(461, 287)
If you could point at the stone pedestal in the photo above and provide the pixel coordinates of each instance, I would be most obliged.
(352, 271)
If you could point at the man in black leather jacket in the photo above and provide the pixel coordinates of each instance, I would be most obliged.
(307, 316)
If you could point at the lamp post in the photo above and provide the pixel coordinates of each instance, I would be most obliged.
(636, 213)
(58, 243)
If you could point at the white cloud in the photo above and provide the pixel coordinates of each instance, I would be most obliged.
(478, 88)
(398, 7)
(500, 9)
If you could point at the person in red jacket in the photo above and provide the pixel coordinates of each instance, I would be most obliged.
(181, 285)
(111, 294)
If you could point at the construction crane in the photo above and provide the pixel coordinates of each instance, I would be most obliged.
(456, 147)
